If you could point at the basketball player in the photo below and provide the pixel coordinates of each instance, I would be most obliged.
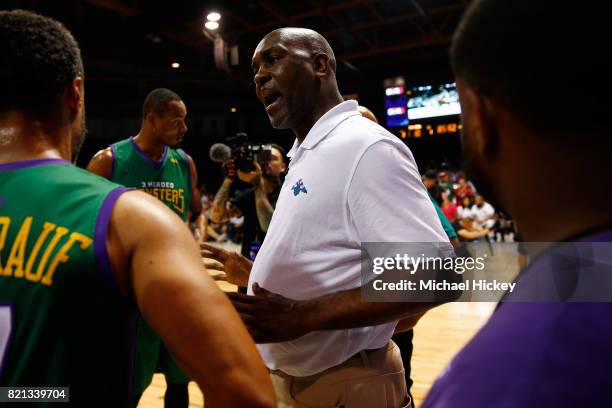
(529, 157)
(152, 162)
(80, 255)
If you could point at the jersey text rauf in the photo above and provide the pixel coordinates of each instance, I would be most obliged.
(38, 265)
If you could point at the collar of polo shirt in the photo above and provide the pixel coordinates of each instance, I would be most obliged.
(325, 125)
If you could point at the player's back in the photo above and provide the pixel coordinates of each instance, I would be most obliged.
(63, 321)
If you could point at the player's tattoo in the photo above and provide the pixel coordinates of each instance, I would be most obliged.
(264, 208)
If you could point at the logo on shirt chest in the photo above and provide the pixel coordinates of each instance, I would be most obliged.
(299, 187)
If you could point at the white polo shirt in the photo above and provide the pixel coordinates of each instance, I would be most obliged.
(350, 181)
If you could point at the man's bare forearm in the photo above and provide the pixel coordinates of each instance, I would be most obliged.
(264, 208)
(218, 206)
(346, 310)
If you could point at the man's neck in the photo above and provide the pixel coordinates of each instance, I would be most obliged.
(327, 103)
(559, 216)
(24, 138)
(149, 145)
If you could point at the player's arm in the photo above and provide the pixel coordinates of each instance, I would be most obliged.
(102, 163)
(156, 260)
(196, 205)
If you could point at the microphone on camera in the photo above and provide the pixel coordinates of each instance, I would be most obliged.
(220, 152)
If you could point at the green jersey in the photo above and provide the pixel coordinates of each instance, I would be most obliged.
(168, 179)
(63, 321)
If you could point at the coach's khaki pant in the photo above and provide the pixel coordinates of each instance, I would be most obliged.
(370, 379)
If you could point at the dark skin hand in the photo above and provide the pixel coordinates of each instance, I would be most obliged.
(271, 318)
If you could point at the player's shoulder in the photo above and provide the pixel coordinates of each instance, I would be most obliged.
(122, 148)
(128, 141)
(143, 211)
(181, 154)
(77, 180)
(103, 154)
(102, 163)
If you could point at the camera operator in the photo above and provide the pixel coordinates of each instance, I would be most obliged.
(256, 203)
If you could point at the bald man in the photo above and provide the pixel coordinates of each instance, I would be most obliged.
(349, 181)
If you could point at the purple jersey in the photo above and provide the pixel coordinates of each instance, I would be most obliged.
(534, 355)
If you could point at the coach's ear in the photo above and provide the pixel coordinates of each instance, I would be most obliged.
(321, 65)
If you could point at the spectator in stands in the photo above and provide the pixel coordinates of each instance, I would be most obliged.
(467, 230)
(448, 207)
(465, 208)
(463, 189)
(483, 213)
(201, 223)
(235, 223)
(445, 183)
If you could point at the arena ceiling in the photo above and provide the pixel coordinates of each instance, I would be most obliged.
(138, 39)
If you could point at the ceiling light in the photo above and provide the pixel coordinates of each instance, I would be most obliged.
(211, 25)
(214, 16)
(175, 65)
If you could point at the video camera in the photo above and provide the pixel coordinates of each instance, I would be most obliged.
(245, 153)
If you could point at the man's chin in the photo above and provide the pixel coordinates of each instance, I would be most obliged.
(175, 145)
(279, 121)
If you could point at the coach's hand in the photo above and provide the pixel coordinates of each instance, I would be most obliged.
(270, 317)
(236, 267)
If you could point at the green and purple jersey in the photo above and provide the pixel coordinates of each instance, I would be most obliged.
(168, 179)
(63, 320)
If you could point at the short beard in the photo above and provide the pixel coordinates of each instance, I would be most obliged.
(79, 140)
